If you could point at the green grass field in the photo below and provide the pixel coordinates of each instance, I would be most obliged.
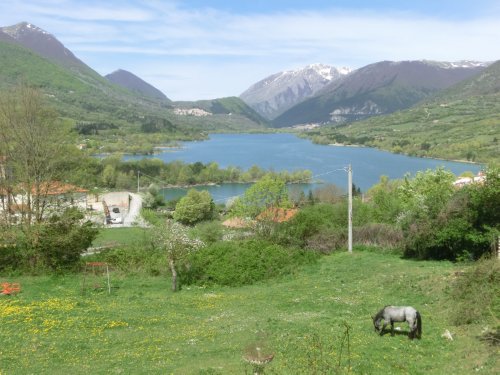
(144, 328)
(120, 236)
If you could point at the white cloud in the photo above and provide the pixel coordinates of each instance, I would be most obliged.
(221, 54)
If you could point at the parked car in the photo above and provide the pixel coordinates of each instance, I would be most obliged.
(116, 220)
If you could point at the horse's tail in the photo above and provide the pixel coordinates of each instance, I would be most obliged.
(419, 325)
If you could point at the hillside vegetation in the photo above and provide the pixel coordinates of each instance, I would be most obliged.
(111, 118)
(461, 123)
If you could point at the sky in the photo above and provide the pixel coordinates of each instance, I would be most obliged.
(196, 49)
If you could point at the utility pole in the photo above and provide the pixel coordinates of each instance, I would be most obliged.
(138, 172)
(349, 213)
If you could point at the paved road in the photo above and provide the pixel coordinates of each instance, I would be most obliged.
(134, 213)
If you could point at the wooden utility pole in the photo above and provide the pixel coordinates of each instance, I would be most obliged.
(349, 213)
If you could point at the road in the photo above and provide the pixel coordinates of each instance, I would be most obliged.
(133, 216)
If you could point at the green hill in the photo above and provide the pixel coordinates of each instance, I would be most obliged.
(460, 123)
(116, 116)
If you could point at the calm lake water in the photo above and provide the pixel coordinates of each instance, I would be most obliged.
(288, 152)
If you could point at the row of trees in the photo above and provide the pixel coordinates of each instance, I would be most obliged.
(116, 173)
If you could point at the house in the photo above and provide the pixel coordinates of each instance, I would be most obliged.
(57, 193)
(480, 178)
(52, 195)
(278, 215)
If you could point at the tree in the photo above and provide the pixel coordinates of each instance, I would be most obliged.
(33, 144)
(64, 238)
(173, 238)
(269, 191)
(195, 206)
(329, 193)
(424, 196)
(153, 198)
(384, 200)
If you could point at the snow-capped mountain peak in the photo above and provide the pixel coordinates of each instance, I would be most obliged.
(275, 94)
(458, 64)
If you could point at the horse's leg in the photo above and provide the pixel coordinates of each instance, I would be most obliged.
(392, 328)
(413, 327)
(383, 328)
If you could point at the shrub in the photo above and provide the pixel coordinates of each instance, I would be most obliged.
(59, 242)
(194, 207)
(308, 222)
(135, 259)
(235, 263)
(326, 241)
(475, 293)
(209, 231)
(465, 227)
(375, 234)
(151, 216)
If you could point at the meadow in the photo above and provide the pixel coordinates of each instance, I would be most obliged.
(316, 321)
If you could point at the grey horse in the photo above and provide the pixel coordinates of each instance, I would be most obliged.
(391, 314)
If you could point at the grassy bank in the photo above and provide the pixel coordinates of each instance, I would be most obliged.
(144, 328)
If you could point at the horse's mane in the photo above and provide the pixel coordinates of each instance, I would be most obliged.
(379, 314)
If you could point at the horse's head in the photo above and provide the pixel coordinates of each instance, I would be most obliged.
(376, 323)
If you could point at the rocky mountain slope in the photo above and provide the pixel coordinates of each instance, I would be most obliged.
(275, 94)
(461, 122)
(375, 89)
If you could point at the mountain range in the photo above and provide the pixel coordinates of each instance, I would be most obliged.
(281, 91)
(320, 94)
(376, 89)
(461, 122)
(31, 55)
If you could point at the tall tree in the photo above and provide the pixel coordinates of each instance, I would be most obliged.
(32, 142)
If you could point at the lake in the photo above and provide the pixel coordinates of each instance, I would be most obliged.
(288, 152)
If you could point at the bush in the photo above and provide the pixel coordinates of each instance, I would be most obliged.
(374, 234)
(63, 239)
(242, 262)
(475, 293)
(209, 231)
(465, 227)
(308, 222)
(326, 241)
(134, 259)
(10, 257)
(194, 207)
